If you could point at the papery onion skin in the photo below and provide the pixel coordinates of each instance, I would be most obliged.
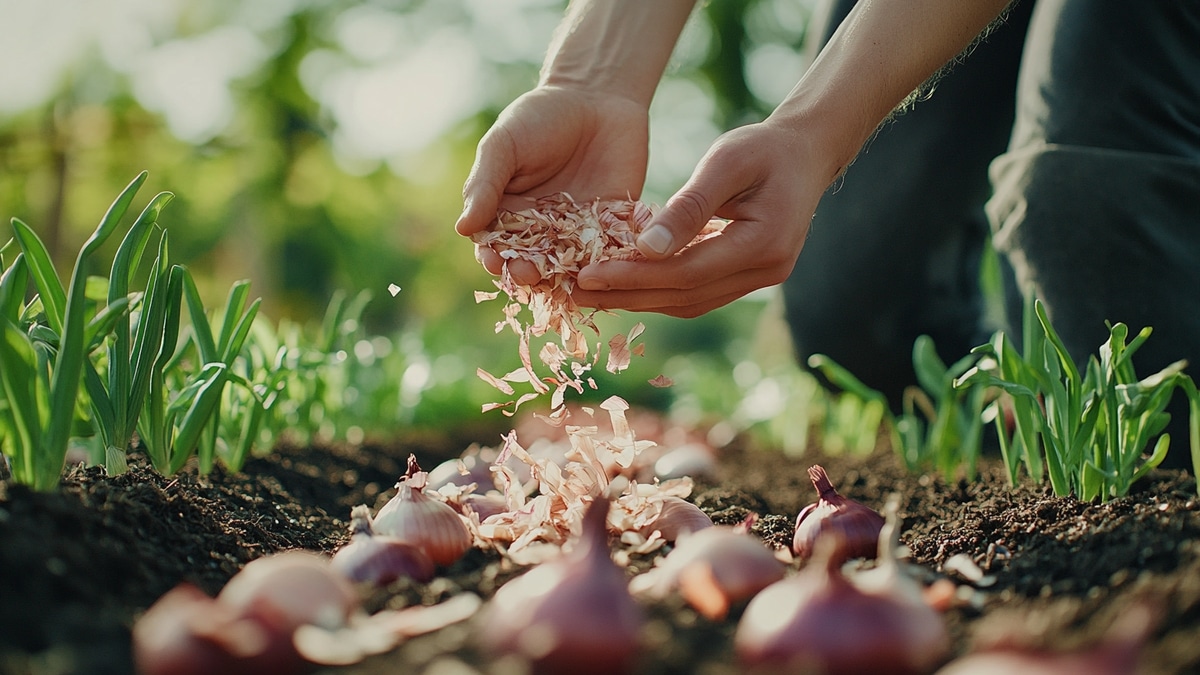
(378, 560)
(677, 516)
(186, 632)
(423, 521)
(572, 615)
(858, 524)
(818, 620)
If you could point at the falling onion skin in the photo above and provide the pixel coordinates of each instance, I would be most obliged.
(858, 524)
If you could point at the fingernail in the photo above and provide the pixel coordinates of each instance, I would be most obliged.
(657, 239)
(593, 284)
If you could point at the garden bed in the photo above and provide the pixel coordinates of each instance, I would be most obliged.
(78, 565)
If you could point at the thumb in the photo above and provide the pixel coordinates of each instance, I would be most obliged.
(682, 218)
(484, 187)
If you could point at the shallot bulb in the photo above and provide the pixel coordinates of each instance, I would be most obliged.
(819, 618)
(713, 569)
(378, 559)
(569, 615)
(188, 633)
(291, 589)
(423, 521)
(249, 627)
(858, 524)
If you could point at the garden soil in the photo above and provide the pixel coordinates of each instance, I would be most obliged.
(79, 565)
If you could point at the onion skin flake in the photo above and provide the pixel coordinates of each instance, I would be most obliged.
(559, 237)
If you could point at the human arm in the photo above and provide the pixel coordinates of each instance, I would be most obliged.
(584, 129)
(768, 177)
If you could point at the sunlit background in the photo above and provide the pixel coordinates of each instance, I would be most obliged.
(320, 146)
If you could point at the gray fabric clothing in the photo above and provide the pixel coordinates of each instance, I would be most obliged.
(1088, 114)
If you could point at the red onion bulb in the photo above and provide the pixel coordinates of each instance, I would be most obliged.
(378, 559)
(423, 521)
(713, 569)
(569, 615)
(248, 628)
(820, 619)
(858, 524)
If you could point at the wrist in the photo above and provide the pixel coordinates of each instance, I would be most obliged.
(616, 47)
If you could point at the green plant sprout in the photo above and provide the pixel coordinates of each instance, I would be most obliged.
(41, 362)
(1086, 432)
(117, 400)
(940, 425)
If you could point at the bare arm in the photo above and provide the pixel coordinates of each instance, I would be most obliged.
(768, 177)
(620, 47)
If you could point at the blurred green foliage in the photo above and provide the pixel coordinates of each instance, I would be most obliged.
(292, 187)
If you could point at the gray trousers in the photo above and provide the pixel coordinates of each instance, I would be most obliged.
(1071, 136)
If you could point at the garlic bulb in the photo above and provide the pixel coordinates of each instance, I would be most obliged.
(378, 559)
(570, 615)
(858, 524)
(423, 521)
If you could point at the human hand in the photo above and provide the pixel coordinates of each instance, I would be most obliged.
(766, 179)
(554, 139)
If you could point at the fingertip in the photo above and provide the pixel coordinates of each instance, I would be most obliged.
(656, 242)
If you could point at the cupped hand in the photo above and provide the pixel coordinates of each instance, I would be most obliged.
(766, 179)
(554, 139)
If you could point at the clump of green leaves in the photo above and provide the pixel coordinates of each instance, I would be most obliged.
(938, 428)
(98, 356)
(45, 344)
(1087, 431)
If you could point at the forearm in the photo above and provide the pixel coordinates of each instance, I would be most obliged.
(883, 51)
(619, 47)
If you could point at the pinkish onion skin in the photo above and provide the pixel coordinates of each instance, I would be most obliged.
(570, 615)
(677, 517)
(376, 559)
(858, 524)
(449, 473)
(832, 626)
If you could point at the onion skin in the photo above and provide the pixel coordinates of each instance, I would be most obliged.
(819, 620)
(678, 516)
(858, 524)
(423, 521)
(570, 615)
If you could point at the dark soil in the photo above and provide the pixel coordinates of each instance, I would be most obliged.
(79, 565)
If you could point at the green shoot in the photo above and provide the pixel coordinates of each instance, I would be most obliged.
(41, 375)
